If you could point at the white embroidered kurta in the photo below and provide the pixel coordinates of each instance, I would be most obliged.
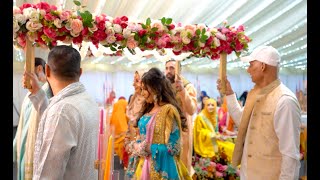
(67, 135)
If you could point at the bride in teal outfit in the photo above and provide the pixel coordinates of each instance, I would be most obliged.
(156, 151)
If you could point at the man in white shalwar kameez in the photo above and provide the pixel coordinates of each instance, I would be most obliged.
(24, 141)
(68, 129)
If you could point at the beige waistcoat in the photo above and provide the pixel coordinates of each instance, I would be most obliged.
(264, 157)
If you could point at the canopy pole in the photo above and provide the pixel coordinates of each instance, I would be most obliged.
(223, 72)
(29, 63)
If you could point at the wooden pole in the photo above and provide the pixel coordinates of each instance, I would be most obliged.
(177, 68)
(29, 63)
(223, 72)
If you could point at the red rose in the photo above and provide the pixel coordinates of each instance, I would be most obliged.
(119, 37)
(124, 18)
(44, 5)
(171, 26)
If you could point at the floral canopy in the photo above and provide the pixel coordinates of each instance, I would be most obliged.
(46, 26)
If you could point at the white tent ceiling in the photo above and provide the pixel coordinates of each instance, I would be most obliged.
(281, 23)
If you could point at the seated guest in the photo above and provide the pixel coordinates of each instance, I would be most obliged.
(226, 123)
(206, 137)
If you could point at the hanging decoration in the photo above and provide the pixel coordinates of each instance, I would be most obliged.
(47, 26)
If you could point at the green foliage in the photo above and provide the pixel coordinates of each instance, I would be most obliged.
(77, 3)
(86, 18)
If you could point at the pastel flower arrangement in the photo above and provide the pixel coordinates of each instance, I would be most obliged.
(216, 168)
(45, 25)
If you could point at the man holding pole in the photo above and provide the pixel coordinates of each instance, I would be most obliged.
(68, 129)
(187, 98)
(267, 145)
(23, 143)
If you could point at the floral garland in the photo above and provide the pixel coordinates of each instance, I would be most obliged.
(45, 25)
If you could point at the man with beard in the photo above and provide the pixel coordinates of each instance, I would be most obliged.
(186, 96)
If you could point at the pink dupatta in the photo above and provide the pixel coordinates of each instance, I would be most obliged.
(149, 136)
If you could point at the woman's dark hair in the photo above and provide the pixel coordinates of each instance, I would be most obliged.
(157, 82)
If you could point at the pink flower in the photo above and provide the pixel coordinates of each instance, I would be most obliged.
(218, 174)
(241, 28)
(238, 172)
(111, 39)
(101, 18)
(76, 26)
(65, 15)
(158, 25)
(117, 20)
(50, 32)
(131, 43)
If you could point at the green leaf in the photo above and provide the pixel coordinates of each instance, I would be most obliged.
(112, 48)
(238, 53)
(203, 30)
(198, 32)
(143, 26)
(148, 22)
(163, 20)
(86, 19)
(169, 21)
(78, 3)
(136, 37)
(154, 29)
(144, 39)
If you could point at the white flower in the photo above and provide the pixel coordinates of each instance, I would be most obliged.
(185, 40)
(16, 10)
(34, 16)
(93, 28)
(117, 28)
(28, 11)
(33, 26)
(20, 18)
(201, 26)
(108, 24)
(214, 30)
(57, 22)
(42, 12)
(179, 29)
(201, 44)
(111, 39)
(16, 26)
(183, 33)
(126, 33)
(216, 41)
(208, 34)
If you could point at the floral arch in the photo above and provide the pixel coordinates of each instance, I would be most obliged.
(44, 25)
